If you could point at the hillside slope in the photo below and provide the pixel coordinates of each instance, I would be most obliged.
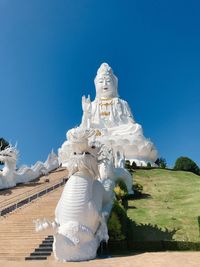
(170, 201)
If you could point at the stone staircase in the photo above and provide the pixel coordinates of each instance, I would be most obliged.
(13, 198)
(43, 251)
(19, 241)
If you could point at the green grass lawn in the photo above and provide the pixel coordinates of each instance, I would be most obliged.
(173, 204)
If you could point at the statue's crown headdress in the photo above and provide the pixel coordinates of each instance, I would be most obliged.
(105, 69)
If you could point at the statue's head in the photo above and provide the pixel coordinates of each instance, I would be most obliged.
(106, 82)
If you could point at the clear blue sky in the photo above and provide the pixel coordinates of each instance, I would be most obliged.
(50, 51)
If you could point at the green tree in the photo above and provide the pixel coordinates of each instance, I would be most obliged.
(118, 223)
(148, 165)
(186, 164)
(134, 165)
(128, 165)
(121, 193)
(161, 162)
(3, 145)
(115, 227)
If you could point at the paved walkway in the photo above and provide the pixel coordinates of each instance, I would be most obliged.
(161, 259)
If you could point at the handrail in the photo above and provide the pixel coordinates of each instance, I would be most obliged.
(43, 185)
(7, 201)
(17, 204)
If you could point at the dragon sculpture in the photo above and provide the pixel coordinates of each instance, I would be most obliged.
(83, 209)
(9, 176)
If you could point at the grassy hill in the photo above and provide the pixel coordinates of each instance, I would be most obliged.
(170, 202)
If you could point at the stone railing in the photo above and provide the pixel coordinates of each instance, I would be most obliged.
(27, 197)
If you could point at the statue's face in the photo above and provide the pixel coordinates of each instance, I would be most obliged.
(105, 87)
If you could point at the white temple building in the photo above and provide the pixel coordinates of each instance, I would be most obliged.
(113, 121)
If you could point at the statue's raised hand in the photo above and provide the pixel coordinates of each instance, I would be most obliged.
(86, 104)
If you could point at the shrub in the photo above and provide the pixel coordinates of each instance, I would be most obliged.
(120, 189)
(138, 187)
(128, 165)
(115, 228)
(120, 218)
(148, 165)
(138, 190)
(161, 162)
(121, 193)
(186, 164)
(3, 145)
(120, 211)
(134, 165)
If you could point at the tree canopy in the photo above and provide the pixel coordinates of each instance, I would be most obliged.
(161, 162)
(3, 145)
(186, 164)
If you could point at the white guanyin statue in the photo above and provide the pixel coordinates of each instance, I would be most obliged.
(114, 122)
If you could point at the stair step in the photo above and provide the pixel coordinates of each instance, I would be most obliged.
(35, 258)
(44, 249)
(19, 240)
(41, 253)
(47, 242)
(45, 246)
(48, 249)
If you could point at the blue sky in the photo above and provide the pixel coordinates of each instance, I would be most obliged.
(50, 52)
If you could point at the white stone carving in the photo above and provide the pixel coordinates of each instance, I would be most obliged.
(80, 215)
(94, 155)
(9, 176)
(112, 168)
(113, 117)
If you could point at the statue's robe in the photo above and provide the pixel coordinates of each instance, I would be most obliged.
(117, 126)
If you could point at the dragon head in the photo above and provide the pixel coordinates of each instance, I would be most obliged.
(83, 151)
(83, 141)
(9, 154)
